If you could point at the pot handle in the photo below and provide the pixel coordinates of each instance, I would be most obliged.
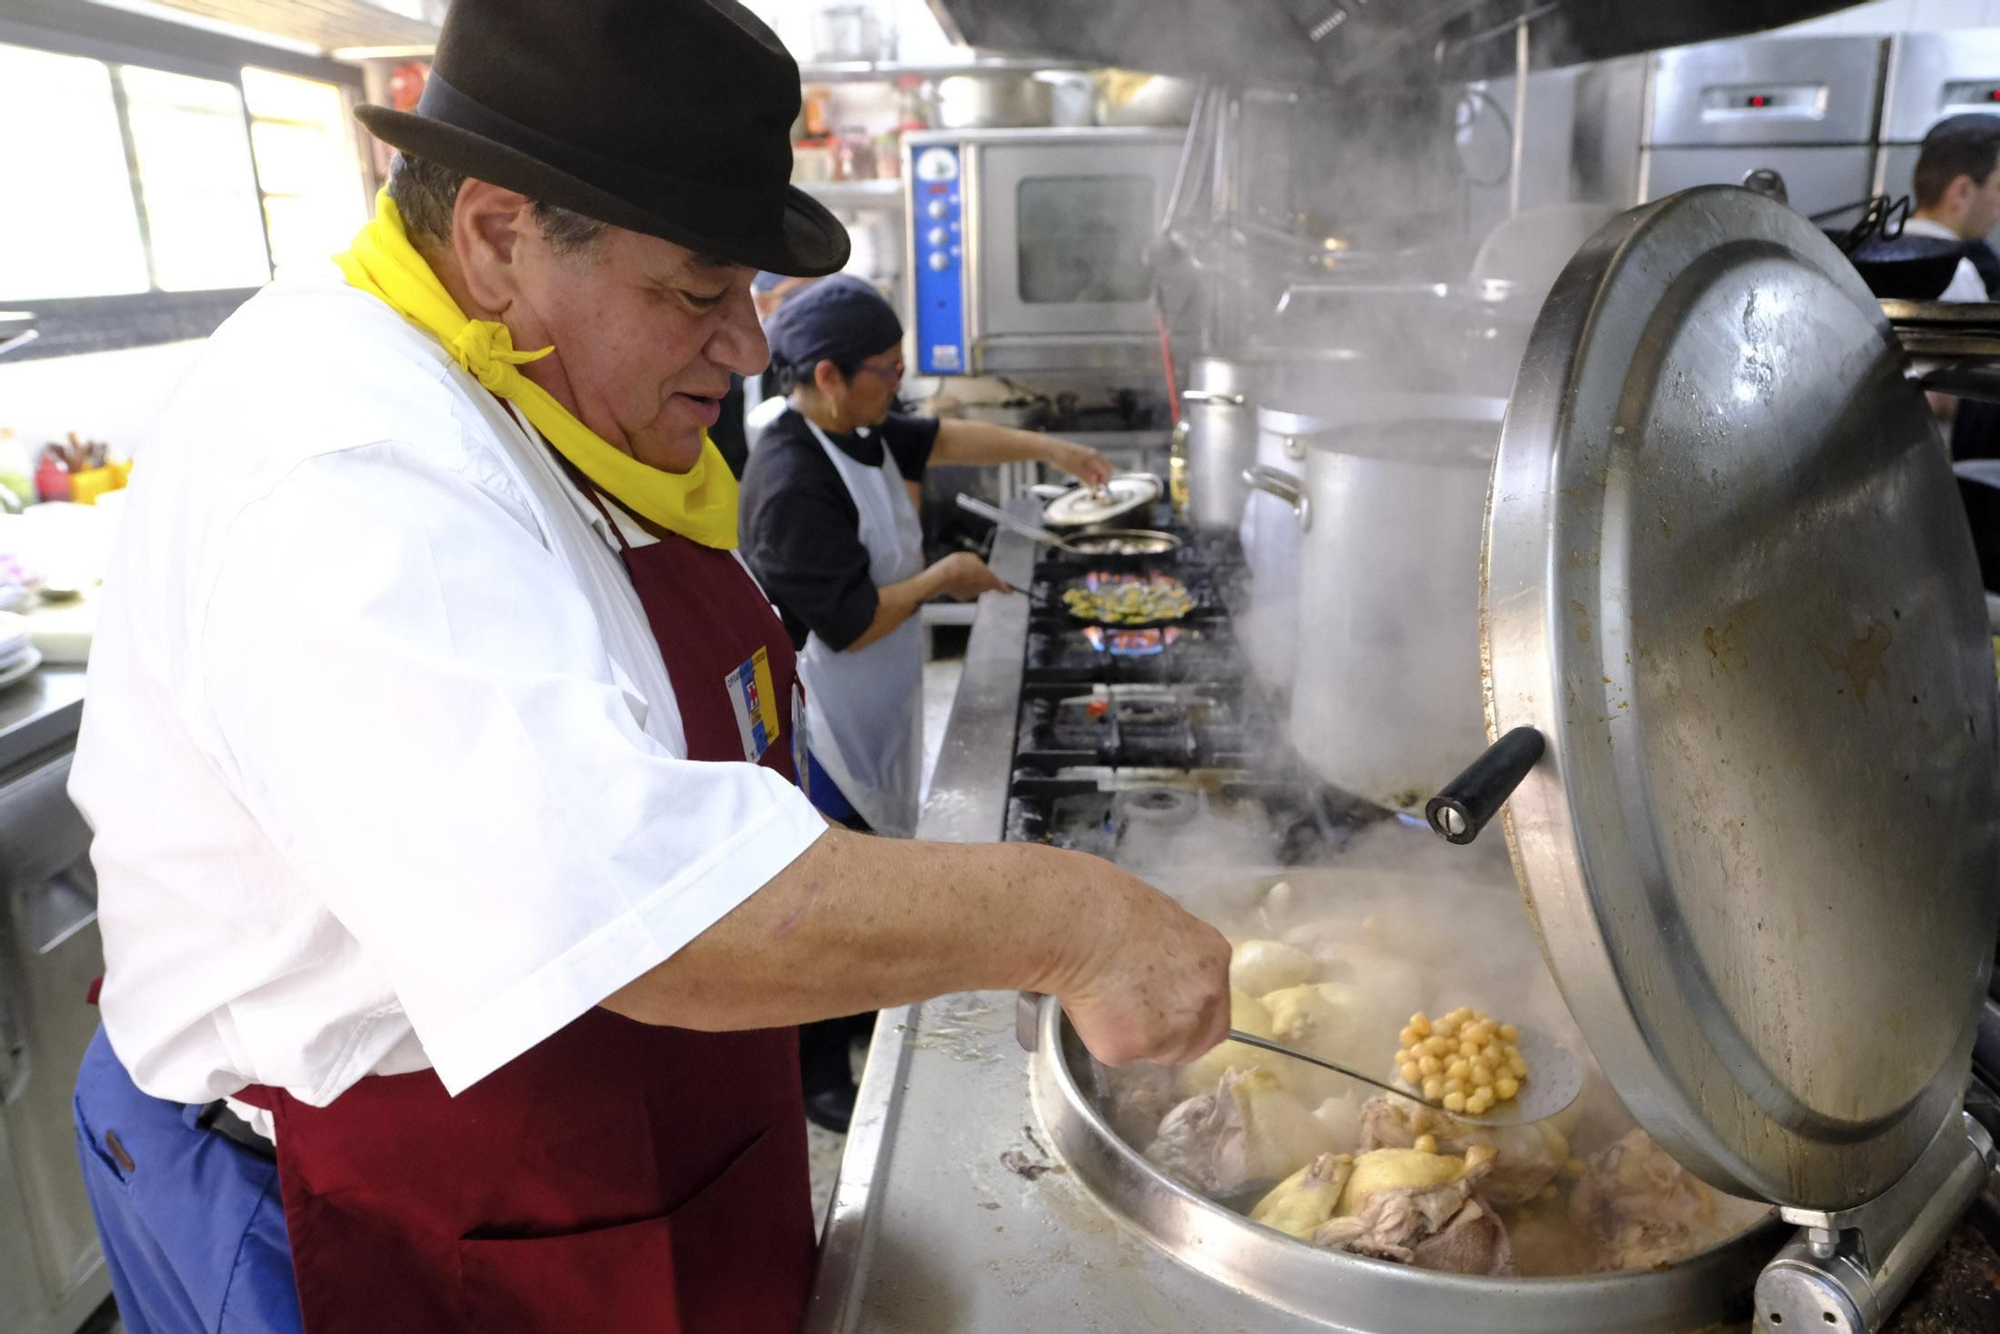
(1461, 810)
(1276, 482)
(1212, 396)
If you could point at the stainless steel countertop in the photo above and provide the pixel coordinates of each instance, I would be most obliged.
(950, 1213)
(40, 712)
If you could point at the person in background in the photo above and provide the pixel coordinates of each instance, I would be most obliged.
(1957, 192)
(830, 528)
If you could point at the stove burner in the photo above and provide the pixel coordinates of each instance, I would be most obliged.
(1159, 805)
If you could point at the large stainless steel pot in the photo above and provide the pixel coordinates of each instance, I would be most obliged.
(1270, 535)
(1389, 510)
(1218, 437)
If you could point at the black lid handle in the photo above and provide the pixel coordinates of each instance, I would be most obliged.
(1468, 801)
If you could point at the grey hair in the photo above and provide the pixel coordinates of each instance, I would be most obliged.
(425, 194)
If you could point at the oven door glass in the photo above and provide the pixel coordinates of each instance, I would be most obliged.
(1081, 239)
(1062, 232)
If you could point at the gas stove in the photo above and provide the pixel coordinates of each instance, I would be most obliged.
(1128, 739)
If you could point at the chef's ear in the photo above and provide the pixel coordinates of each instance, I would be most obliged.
(488, 225)
(827, 377)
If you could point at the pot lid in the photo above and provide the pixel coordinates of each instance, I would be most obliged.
(1121, 495)
(1728, 579)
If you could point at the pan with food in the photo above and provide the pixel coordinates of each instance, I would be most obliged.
(1128, 601)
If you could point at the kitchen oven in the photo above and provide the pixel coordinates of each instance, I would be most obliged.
(1027, 248)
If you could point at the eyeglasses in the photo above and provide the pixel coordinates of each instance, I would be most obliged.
(889, 373)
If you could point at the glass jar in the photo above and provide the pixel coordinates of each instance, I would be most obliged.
(856, 155)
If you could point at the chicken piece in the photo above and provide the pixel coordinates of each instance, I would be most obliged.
(1249, 1129)
(1530, 1158)
(1184, 1148)
(1248, 1014)
(1141, 1095)
(1305, 1199)
(1262, 966)
(1644, 1209)
(1329, 1019)
(1420, 1212)
(1407, 1169)
(1473, 1241)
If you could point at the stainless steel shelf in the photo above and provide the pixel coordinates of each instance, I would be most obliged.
(876, 193)
(888, 71)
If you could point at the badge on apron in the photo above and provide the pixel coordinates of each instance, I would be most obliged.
(754, 699)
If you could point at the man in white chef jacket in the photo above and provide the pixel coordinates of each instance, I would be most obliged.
(1956, 191)
(438, 750)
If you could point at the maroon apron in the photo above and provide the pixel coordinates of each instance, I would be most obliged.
(617, 1176)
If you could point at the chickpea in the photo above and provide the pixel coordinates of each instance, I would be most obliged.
(1430, 1065)
(1438, 1046)
(1518, 1068)
(1468, 1048)
(1409, 1037)
(1479, 1102)
(1509, 1033)
(1482, 1073)
(1459, 1069)
(1422, 1023)
(1426, 1144)
(1454, 1102)
(1455, 1085)
(1506, 1086)
(1433, 1088)
(1410, 1071)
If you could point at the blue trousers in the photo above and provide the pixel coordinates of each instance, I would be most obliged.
(192, 1224)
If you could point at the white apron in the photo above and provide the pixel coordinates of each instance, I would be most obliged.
(868, 704)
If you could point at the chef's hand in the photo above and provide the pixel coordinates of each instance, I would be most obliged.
(1151, 979)
(1083, 463)
(962, 576)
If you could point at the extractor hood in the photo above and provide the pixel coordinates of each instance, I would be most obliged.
(1285, 43)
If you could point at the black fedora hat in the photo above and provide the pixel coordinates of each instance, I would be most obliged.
(668, 117)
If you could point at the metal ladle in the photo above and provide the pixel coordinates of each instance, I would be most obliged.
(1554, 1081)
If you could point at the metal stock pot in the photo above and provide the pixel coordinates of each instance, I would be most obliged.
(1387, 499)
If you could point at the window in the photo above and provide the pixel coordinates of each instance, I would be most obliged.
(307, 159)
(197, 187)
(70, 228)
(164, 173)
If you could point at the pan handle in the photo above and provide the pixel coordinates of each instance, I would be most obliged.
(1461, 810)
(1277, 482)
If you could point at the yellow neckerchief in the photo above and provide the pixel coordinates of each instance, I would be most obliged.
(699, 504)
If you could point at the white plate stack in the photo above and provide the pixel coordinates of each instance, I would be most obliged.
(18, 657)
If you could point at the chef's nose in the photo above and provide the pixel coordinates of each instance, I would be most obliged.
(738, 341)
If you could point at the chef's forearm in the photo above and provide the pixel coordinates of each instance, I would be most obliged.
(974, 444)
(860, 923)
(895, 604)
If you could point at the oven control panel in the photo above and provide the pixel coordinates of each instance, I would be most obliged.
(937, 225)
